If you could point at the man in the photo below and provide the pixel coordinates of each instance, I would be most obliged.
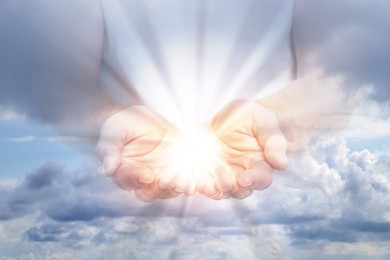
(114, 64)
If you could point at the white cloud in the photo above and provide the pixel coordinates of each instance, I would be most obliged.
(9, 114)
(22, 139)
(361, 248)
(330, 201)
(329, 197)
(8, 182)
(65, 139)
(371, 120)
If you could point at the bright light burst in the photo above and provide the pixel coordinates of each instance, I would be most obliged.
(188, 70)
(195, 153)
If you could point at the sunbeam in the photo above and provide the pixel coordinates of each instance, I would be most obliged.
(202, 63)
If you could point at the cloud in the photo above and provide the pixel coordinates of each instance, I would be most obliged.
(8, 182)
(49, 71)
(347, 38)
(15, 66)
(329, 200)
(371, 120)
(27, 138)
(347, 194)
(65, 139)
(9, 114)
(141, 238)
(328, 197)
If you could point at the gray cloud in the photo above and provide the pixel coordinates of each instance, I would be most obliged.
(50, 63)
(85, 195)
(48, 233)
(347, 38)
(44, 176)
(329, 194)
(341, 198)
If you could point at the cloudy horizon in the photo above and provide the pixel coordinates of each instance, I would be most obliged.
(333, 201)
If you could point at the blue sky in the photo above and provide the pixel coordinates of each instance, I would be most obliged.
(333, 201)
(25, 144)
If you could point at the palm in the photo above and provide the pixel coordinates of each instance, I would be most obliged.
(138, 141)
(148, 151)
(252, 146)
(240, 147)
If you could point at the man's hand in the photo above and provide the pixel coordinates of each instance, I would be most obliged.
(133, 146)
(252, 145)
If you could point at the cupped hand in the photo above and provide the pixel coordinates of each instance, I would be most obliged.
(252, 146)
(133, 147)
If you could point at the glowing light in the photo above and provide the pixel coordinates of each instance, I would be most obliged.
(195, 153)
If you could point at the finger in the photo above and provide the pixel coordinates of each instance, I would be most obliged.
(226, 180)
(275, 151)
(191, 188)
(207, 186)
(258, 177)
(271, 138)
(242, 193)
(221, 196)
(182, 183)
(249, 159)
(133, 176)
(150, 192)
(167, 180)
(110, 144)
(201, 182)
(169, 195)
(109, 155)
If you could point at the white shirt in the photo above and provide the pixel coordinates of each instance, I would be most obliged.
(185, 59)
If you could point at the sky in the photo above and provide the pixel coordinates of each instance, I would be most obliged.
(333, 201)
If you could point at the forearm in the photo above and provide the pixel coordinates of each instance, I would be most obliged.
(312, 107)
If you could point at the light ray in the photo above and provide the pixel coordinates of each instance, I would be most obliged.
(216, 52)
(184, 77)
(259, 55)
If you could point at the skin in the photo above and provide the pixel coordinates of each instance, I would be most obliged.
(253, 147)
(133, 146)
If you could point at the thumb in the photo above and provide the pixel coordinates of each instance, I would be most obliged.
(271, 138)
(275, 151)
(111, 162)
(109, 147)
(109, 155)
